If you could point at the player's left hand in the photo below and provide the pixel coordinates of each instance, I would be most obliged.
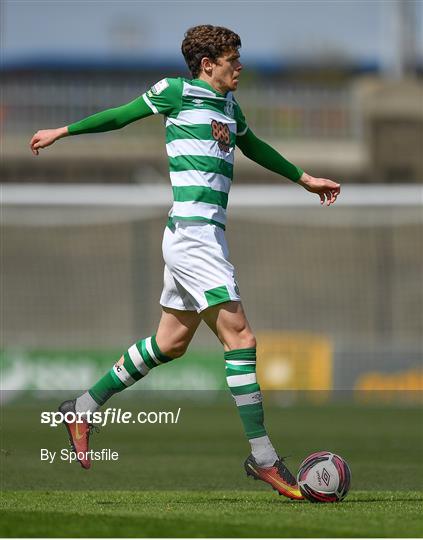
(328, 190)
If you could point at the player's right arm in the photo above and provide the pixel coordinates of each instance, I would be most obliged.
(107, 120)
(162, 98)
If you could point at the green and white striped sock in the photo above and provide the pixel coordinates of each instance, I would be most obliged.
(133, 365)
(242, 382)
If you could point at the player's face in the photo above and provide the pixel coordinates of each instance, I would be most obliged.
(226, 72)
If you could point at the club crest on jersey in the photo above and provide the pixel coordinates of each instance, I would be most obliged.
(229, 109)
(159, 87)
(221, 134)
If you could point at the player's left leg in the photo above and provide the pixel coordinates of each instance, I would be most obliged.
(175, 331)
(229, 323)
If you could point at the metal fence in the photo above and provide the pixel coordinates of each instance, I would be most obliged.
(276, 110)
(334, 295)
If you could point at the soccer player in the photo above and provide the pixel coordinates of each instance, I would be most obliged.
(204, 124)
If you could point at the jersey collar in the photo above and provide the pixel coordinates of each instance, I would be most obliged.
(207, 86)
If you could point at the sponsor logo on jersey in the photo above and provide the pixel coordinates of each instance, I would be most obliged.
(221, 134)
(159, 87)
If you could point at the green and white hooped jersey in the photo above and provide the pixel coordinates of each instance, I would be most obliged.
(201, 130)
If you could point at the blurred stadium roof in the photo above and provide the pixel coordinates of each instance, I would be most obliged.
(366, 34)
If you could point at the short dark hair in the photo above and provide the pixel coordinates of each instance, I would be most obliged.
(207, 41)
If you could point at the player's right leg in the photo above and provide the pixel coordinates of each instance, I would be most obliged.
(175, 331)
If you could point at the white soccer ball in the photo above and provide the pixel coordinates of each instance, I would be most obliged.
(324, 477)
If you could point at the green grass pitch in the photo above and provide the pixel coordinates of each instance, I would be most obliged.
(188, 480)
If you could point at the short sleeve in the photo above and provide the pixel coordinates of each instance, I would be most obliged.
(165, 96)
(241, 122)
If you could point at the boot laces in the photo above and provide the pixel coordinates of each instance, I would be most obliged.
(284, 472)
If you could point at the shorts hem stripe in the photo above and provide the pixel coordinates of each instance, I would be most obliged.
(216, 302)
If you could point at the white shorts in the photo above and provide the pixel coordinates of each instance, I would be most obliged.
(197, 272)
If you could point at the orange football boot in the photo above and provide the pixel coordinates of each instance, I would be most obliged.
(79, 434)
(278, 476)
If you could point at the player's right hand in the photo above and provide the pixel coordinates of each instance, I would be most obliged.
(46, 137)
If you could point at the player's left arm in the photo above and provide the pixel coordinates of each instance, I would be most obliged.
(266, 156)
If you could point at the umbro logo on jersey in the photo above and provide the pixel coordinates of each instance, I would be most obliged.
(198, 102)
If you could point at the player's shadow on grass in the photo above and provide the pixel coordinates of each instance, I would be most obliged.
(277, 501)
(415, 499)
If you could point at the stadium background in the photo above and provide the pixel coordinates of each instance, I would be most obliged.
(336, 292)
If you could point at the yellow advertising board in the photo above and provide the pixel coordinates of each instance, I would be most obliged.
(405, 386)
(298, 361)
